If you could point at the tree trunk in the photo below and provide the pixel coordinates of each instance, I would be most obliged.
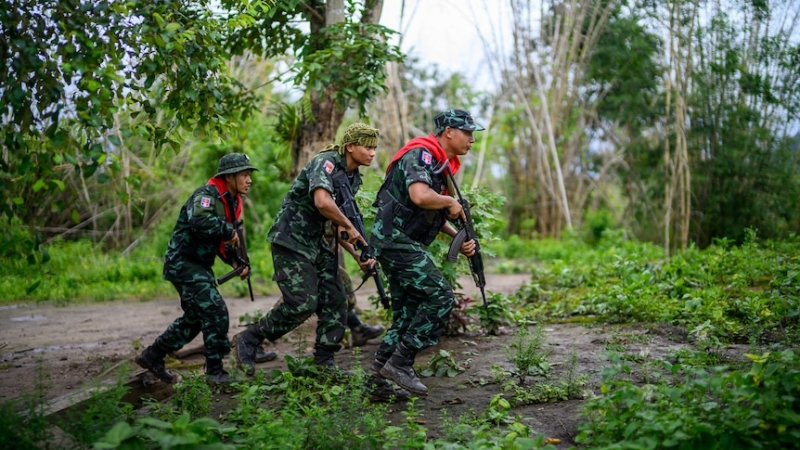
(320, 129)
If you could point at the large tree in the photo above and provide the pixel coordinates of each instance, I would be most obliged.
(70, 68)
(81, 78)
(341, 54)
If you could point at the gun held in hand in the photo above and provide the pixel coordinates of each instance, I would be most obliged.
(241, 259)
(466, 232)
(347, 205)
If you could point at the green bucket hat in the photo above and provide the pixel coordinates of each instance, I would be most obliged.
(455, 118)
(233, 163)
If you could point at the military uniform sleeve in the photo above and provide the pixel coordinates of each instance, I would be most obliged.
(320, 170)
(417, 166)
(207, 217)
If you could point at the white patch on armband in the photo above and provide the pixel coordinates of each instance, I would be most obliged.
(328, 166)
(426, 158)
(205, 202)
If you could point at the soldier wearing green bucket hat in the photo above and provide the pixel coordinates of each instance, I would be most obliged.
(204, 230)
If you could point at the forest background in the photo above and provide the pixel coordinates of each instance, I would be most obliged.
(660, 136)
(674, 121)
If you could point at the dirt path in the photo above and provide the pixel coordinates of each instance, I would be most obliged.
(76, 343)
(73, 345)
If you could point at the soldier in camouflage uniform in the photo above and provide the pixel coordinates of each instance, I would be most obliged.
(306, 269)
(413, 207)
(205, 229)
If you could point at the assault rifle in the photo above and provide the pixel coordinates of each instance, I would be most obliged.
(465, 233)
(240, 256)
(347, 204)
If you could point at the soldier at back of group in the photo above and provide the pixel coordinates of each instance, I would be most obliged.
(413, 207)
(306, 271)
(204, 230)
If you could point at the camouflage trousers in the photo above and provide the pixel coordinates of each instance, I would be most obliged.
(308, 287)
(204, 311)
(422, 300)
(347, 283)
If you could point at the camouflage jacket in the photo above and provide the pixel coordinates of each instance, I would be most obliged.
(202, 225)
(399, 223)
(299, 225)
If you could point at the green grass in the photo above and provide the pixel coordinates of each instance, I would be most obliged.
(79, 271)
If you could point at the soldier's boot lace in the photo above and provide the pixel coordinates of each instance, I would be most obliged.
(400, 369)
(152, 359)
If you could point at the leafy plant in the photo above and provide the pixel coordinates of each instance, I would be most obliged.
(443, 364)
(498, 410)
(100, 412)
(715, 409)
(182, 433)
(527, 352)
(23, 423)
(496, 313)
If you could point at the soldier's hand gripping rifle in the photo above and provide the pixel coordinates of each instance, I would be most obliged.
(465, 233)
(347, 204)
(241, 258)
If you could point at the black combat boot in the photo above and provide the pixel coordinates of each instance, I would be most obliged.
(400, 369)
(263, 356)
(152, 359)
(361, 332)
(381, 390)
(244, 347)
(215, 374)
(323, 360)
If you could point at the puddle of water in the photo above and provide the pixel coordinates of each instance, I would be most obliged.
(28, 318)
(3, 308)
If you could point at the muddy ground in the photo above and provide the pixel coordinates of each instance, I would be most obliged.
(74, 345)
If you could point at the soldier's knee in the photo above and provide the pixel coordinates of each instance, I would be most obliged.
(301, 305)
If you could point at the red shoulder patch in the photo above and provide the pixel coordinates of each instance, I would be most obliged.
(328, 166)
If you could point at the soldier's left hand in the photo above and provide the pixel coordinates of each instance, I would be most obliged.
(468, 248)
(234, 241)
(245, 273)
(366, 266)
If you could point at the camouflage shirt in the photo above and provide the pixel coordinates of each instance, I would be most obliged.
(299, 225)
(394, 216)
(197, 235)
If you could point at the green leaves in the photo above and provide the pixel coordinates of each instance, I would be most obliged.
(443, 364)
(349, 61)
(684, 411)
